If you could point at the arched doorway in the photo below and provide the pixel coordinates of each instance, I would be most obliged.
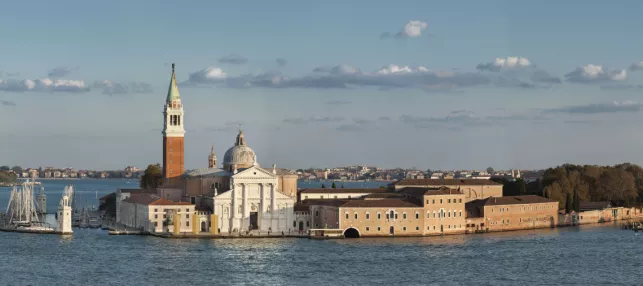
(203, 226)
(301, 226)
(351, 233)
(391, 230)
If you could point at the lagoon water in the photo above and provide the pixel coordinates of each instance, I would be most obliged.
(590, 255)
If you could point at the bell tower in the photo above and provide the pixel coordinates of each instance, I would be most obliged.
(173, 133)
(212, 159)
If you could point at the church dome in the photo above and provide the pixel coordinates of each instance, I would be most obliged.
(240, 155)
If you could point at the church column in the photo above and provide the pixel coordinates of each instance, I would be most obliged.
(235, 202)
(273, 199)
(244, 193)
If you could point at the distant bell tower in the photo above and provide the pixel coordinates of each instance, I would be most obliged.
(212, 159)
(173, 133)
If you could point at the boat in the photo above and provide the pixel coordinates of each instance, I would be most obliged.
(22, 213)
(84, 218)
(94, 223)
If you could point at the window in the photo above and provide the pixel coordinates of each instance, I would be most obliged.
(156, 210)
(395, 216)
(379, 216)
(417, 215)
(520, 219)
(449, 200)
(387, 217)
(404, 216)
(187, 216)
(156, 224)
(427, 202)
(428, 228)
(346, 215)
(449, 214)
(460, 201)
(378, 228)
(433, 201)
(367, 228)
(355, 215)
(193, 200)
(404, 228)
(440, 200)
(156, 216)
(187, 223)
(460, 213)
(368, 216)
(449, 226)
(392, 214)
(417, 228)
(317, 213)
(428, 215)
(294, 223)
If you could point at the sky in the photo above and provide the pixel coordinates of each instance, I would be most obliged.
(425, 84)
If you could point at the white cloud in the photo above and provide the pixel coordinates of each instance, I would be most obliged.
(343, 76)
(506, 63)
(412, 29)
(43, 85)
(595, 74)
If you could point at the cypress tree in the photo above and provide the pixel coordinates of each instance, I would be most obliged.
(568, 203)
(576, 202)
(323, 186)
(334, 186)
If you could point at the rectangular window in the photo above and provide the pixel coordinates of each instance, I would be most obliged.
(449, 200)
(433, 201)
(156, 210)
(379, 216)
(187, 216)
(417, 215)
(440, 200)
(187, 223)
(355, 215)
(316, 213)
(346, 216)
(294, 223)
(378, 228)
(460, 201)
(368, 216)
(404, 216)
(156, 216)
(404, 228)
(367, 228)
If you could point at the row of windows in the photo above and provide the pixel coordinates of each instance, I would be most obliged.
(527, 208)
(393, 214)
(294, 223)
(449, 201)
(178, 210)
(156, 224)
(187, 216)
(428, 228)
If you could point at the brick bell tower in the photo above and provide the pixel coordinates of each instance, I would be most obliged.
(173, 133)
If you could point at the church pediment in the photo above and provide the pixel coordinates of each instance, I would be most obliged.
(254, 173)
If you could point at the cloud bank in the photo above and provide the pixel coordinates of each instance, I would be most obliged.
(590, 74)
(43, 85)
(111, 87)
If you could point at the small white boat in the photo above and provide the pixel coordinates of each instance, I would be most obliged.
(94, 223)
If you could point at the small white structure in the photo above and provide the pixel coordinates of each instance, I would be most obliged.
(63, 224)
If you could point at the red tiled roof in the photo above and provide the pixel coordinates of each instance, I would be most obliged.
(152, 199)
(419, 191)
(344, 191)
(444, 182)
(511, 200)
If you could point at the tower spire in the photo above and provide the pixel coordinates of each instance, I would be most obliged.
(173, 90)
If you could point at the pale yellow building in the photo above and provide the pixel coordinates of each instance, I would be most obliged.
(511, 213)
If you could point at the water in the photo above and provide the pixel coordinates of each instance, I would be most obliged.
(589, 255)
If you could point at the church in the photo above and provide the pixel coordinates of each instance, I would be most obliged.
(243, 196)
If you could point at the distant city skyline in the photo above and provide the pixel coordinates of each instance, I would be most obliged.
(450, 85)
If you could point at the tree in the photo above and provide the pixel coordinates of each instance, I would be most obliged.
(576, 202)
(568, 203)
(17, 169)
(323, 186)
(5, 168)
(109, 205)
(490, 170)
(333, 186)
(152, 177)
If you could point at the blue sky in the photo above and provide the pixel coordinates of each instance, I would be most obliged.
(440, 85)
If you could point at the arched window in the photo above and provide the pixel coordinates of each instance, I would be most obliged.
(428, 214)
(379, 215)
(355, 215)
(417, 215)
(392, 215)
(368, 216)
(347, 216)
(403, 215)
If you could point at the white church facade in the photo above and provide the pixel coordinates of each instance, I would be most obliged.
(238, 198)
